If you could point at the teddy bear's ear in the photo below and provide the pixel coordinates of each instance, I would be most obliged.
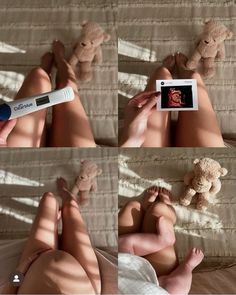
(84, 23)
(99, 172)
(107, 37)
(82, 161)
(223, 171)
(196, 161)
(229, 35)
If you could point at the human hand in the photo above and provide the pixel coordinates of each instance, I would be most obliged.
(136, 116)
(5, 129)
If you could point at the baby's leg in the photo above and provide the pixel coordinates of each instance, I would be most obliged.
(158, 129)
(142, 244)
(165, 260)
(179, 281)
(70, 125)
(43, 235)
(75, 239)
(130, 218)
(197, 128)
(29, 129)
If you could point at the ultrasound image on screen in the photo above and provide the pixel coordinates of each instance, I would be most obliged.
(176, 97)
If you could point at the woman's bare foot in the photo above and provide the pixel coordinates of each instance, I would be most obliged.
(63, 189)
(46, 62)
(179, 281)
(164, 195)
(65, 74)
(150, 195)
(169, 63)
(182, 71)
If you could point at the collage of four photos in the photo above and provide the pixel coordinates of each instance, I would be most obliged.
(117, 147)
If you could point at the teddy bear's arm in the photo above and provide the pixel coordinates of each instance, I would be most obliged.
(98, 56)
(188, 177)
(215, 188)
(221, 51)
(94, 185)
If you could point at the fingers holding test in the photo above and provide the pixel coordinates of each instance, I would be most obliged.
(142, 98)
(5, 130)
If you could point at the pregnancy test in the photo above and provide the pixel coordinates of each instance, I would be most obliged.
(24, 106)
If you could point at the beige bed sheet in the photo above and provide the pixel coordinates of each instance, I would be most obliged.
(151, 29)
(214, 230)
(27, 28)
(25, 174)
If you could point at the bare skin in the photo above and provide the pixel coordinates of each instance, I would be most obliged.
(194, 128)
(153, 238)
(72, 269)
(70, 125)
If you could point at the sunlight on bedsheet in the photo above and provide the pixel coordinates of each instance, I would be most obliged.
(27, 201)
(132, 50)
(10, 82)
(4, 47)
(10, 212)
(8, 178)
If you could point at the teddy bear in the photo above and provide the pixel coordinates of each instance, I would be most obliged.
(210, 45)
(203, 182)
(88, 49)
(86, 181)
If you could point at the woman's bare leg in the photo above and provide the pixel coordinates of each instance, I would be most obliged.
(197, 128)
(43, 235)
(75, 239)
(29, 129)
(163, 261)
(158, 130)
(70, 124)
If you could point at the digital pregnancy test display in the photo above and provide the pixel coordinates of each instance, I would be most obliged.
(42, 100)
(24, 106)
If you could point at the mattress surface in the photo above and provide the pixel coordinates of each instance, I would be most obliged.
(27, 29)
(150, 30)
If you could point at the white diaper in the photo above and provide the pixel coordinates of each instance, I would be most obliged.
(137, 276)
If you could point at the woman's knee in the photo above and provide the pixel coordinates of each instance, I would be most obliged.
(49, 199)
(40, 76)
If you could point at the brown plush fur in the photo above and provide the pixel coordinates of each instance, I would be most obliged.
(88, 49)
(86, 181)
(209, 47)
(203, 182)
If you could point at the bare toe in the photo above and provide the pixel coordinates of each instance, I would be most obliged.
(150, 195)
(58, 49)
(61, 183)
(165, 195)
(194, 258)
(169, 62)
(46, 62)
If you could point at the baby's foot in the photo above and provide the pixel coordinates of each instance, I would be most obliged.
(150, 195)
(166, 231)
(58, 49)
(164, 195)
(179, 281)
(182, 70)
(194, 258)
(47, 62)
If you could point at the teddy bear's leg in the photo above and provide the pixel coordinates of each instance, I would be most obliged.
(186, 199)
(83, 198)
(202, 201)
(85, 71)
(193, 61)
(208, 67)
